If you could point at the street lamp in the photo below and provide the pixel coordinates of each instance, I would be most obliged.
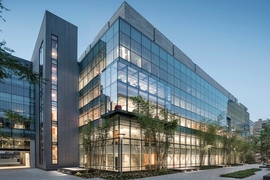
(234, 149)
(121, 137)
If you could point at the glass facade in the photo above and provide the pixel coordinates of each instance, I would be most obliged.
(125, 63)
(17, 95)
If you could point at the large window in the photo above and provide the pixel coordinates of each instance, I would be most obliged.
(41, 133)
(54, 100)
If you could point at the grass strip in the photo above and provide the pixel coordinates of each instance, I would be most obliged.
(241, 174)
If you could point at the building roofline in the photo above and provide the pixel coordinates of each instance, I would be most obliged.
(128, 13)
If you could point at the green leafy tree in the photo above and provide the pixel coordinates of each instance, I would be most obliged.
(158, 131)
(94, 141)
(101, 136)
(263, 143)
(245, 149)
(9, 65)
(16, 117)
(207, 135)
(228, 145)
(87, 133)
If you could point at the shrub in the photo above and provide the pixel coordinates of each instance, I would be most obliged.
(241, 174)
(126, 175)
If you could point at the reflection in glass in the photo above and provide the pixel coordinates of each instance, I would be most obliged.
(122, 73)
(132, 77)
(54, 113)
(135, 59)
(54, 154)
(54, 54)
(124, 53)
(54, 79)
(54, 95)
(54, 133)
(143, 82)
(152, 86)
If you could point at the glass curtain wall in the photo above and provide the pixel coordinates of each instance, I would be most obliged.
(135, 65)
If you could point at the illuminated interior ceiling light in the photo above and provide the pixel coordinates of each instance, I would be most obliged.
(53, 95)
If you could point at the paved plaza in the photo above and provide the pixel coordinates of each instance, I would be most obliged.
(213, 174)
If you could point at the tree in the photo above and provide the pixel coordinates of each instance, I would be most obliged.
(98, 145)
(9, 65)
(245, 149)
(158, 131)
(263, 144)
(94, 141)
(16, 117)
(228, 143)
(207, 135)
(87, 131)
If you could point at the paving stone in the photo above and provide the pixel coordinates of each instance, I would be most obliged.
(212, 174)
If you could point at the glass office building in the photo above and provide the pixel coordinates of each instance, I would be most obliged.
(128, 58)
(131, 58)
(17, 95)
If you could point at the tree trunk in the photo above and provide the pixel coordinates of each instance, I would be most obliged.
(209, 159)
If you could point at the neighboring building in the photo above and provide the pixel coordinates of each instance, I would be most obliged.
(239, 118)
(17, 95)
(129, 57)
(251, 127)
(260, 125)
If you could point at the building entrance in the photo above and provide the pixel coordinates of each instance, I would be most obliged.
(14, 158)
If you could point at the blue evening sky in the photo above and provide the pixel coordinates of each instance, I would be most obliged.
(228, 39)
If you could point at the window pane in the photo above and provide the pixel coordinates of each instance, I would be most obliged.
(124, 40)
(54, 133)
(54, 79)
(54, 95)
(122, 73)
(135, 59)
(54, 113)
(54, 54)
(54, 68)
(132, 77)
(146, 65)
(146, 42)
(136, 47)
(136, 35)
(124, 53)
(54, 154)
(146, 54)
(152, 86)
(155, 48)
(143, 82)
(124, 27)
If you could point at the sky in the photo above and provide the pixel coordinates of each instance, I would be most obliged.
(228, 39)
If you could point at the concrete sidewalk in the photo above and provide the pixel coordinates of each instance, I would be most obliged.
(212, 174)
